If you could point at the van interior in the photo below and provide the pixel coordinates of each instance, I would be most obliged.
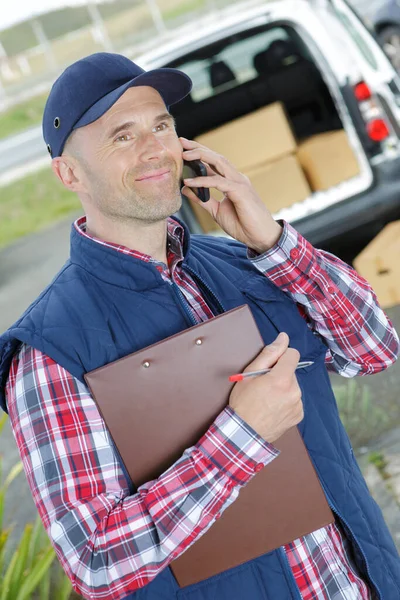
(250, 70)
(244, 74)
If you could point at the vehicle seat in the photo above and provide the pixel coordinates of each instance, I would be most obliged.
(290, 78)
(194, 118)
(220, 74)
(279, 55)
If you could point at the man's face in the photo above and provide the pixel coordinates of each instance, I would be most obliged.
(132, 159)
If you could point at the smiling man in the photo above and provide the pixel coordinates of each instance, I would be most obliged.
(136, 276)
(125, 188)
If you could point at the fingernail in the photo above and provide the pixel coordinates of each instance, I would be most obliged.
(279, 339)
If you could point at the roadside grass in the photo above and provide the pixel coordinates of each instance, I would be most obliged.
(32, 203)
(21, 116)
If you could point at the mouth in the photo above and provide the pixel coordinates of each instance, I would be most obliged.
(155, 175)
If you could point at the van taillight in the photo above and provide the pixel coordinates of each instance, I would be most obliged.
(362, 92)
(378, 129)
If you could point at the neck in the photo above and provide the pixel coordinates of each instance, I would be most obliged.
(147, 238)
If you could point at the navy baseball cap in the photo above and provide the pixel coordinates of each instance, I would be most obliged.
(90, 86)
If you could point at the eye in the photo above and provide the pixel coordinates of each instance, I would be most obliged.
(125, 137)
(162, 126)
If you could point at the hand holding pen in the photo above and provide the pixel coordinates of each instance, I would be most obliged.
(245, 375)
(270, 405)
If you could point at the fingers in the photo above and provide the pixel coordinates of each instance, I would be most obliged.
(211, 206)
(222, 166)
(213, 181)
(270, 354)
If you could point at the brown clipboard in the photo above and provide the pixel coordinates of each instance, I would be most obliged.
(160, 400)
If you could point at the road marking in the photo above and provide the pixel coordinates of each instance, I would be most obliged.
(24, 170)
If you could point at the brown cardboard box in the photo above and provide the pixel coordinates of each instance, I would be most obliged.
(259, 137)
(379, 264)
(281, 183)
(328, 159)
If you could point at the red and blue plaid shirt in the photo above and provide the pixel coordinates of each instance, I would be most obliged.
(111, 543)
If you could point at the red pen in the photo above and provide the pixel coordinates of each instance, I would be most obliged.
(241, 376)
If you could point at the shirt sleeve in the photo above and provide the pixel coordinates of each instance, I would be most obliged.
(110, 542)
(338, 304)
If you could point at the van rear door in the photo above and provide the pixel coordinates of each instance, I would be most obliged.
(372, 65)
(370, 51)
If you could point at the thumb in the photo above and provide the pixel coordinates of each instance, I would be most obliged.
(270, 354)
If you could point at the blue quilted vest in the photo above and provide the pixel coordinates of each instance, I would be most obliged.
(104, 305)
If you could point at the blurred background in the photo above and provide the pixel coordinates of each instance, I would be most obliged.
(39, 39)
(331, 165)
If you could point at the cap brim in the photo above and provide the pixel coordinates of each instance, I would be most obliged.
(171, 84)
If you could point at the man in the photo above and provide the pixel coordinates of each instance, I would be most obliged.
(137, 276)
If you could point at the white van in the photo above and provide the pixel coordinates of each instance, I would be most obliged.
(310, 66)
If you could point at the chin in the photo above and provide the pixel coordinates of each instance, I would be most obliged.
(173, 207)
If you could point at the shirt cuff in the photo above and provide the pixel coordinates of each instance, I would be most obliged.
(289, 246)
(235, 448)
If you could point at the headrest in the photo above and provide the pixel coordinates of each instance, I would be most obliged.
(278, 55)
(221, 73)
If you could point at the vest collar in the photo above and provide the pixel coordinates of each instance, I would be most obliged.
(116, 268)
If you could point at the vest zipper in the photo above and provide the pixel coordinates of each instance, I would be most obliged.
(350, 532)
(289, 572)
(184, 304)
(218, 303)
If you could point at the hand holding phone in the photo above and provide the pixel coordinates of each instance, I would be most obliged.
(195, 168)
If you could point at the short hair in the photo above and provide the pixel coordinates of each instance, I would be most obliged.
(70, 147)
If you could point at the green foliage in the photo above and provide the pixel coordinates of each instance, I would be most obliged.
(32, 571)
(32, 203)
(378, 459)
(362, 418)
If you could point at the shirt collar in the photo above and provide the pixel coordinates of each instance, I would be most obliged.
(175, 239)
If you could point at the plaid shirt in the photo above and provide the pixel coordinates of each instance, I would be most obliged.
(110, 542)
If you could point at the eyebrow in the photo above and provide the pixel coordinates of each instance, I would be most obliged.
(162, 117)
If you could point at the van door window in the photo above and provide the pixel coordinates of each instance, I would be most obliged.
(231, 66)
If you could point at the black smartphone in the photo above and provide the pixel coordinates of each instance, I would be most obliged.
(195, 168)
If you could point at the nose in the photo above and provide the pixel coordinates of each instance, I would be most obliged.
(151, 147)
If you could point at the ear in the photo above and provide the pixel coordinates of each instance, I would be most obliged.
(67, 170)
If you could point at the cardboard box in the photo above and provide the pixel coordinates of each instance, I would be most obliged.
(379, 264)
(257, 138)
(281, 183)
(328, 159)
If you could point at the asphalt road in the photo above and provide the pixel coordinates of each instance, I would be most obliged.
(25, 269)
(21, 149)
